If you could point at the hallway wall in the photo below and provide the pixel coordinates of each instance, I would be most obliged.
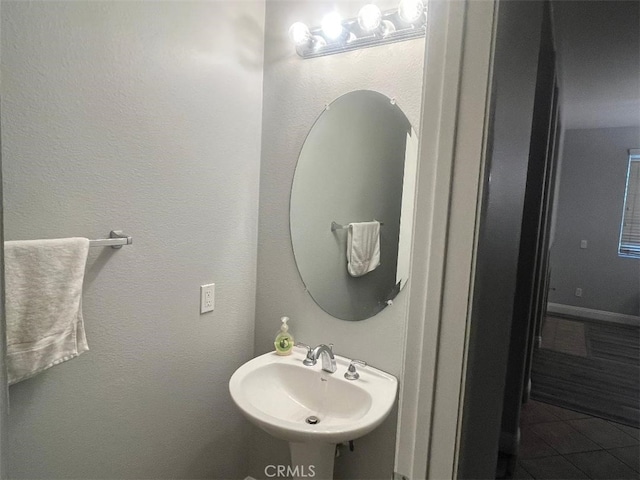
(514, 86)
(590, 205)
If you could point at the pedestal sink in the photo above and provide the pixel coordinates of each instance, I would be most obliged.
(311, 409)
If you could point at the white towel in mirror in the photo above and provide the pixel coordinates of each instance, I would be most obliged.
(363, 247)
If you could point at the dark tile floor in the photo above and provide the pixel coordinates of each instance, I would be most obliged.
(560, 444)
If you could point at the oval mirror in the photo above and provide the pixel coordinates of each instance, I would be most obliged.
(357, 164)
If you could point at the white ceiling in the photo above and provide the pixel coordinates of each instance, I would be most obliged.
(598, 47)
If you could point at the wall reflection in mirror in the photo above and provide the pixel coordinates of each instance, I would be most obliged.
(357, 165)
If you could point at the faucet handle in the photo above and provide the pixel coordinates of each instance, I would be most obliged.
(352, 373)
(309, 360)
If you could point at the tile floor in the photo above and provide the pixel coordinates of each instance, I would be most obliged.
(560, 444)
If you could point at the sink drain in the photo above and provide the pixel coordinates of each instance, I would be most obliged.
(312, 420)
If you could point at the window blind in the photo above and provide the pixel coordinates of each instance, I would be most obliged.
(629, 245)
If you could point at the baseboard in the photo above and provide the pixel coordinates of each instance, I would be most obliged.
(591, 314)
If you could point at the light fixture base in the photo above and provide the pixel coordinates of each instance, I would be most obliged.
(361, 39)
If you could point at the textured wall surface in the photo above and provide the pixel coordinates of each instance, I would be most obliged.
(590, 203)
(295, 94)
(142, 116)
(4, 389)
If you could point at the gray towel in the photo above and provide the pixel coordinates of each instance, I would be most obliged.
(44, 304)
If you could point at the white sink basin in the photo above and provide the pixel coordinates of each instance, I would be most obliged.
(278, 394)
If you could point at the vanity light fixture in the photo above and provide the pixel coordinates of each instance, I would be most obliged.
(370, 28)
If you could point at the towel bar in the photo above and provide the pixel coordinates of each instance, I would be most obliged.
(116, 240)
(336, 226)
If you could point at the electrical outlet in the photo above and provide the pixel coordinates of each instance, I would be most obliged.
(583, 244)
(578, 292)
(207, 297)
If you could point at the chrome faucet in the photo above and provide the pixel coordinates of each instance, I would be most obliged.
(326, 353)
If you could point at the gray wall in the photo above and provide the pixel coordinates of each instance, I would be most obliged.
(4, 389)
(143, 116)
(295, 93)
(514, 83)
(599, 71)
(590, 203)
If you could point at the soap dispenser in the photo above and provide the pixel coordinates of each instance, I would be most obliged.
(284, 340)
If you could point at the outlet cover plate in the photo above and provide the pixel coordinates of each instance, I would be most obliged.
(207, 297)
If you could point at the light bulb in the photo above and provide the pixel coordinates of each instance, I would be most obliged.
(369, 18)
(332, 26)
(299, 34)
(411, 11)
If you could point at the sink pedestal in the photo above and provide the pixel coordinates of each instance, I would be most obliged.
(312, 460)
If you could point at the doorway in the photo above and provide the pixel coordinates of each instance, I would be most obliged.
(543, 429)
(579, 416)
